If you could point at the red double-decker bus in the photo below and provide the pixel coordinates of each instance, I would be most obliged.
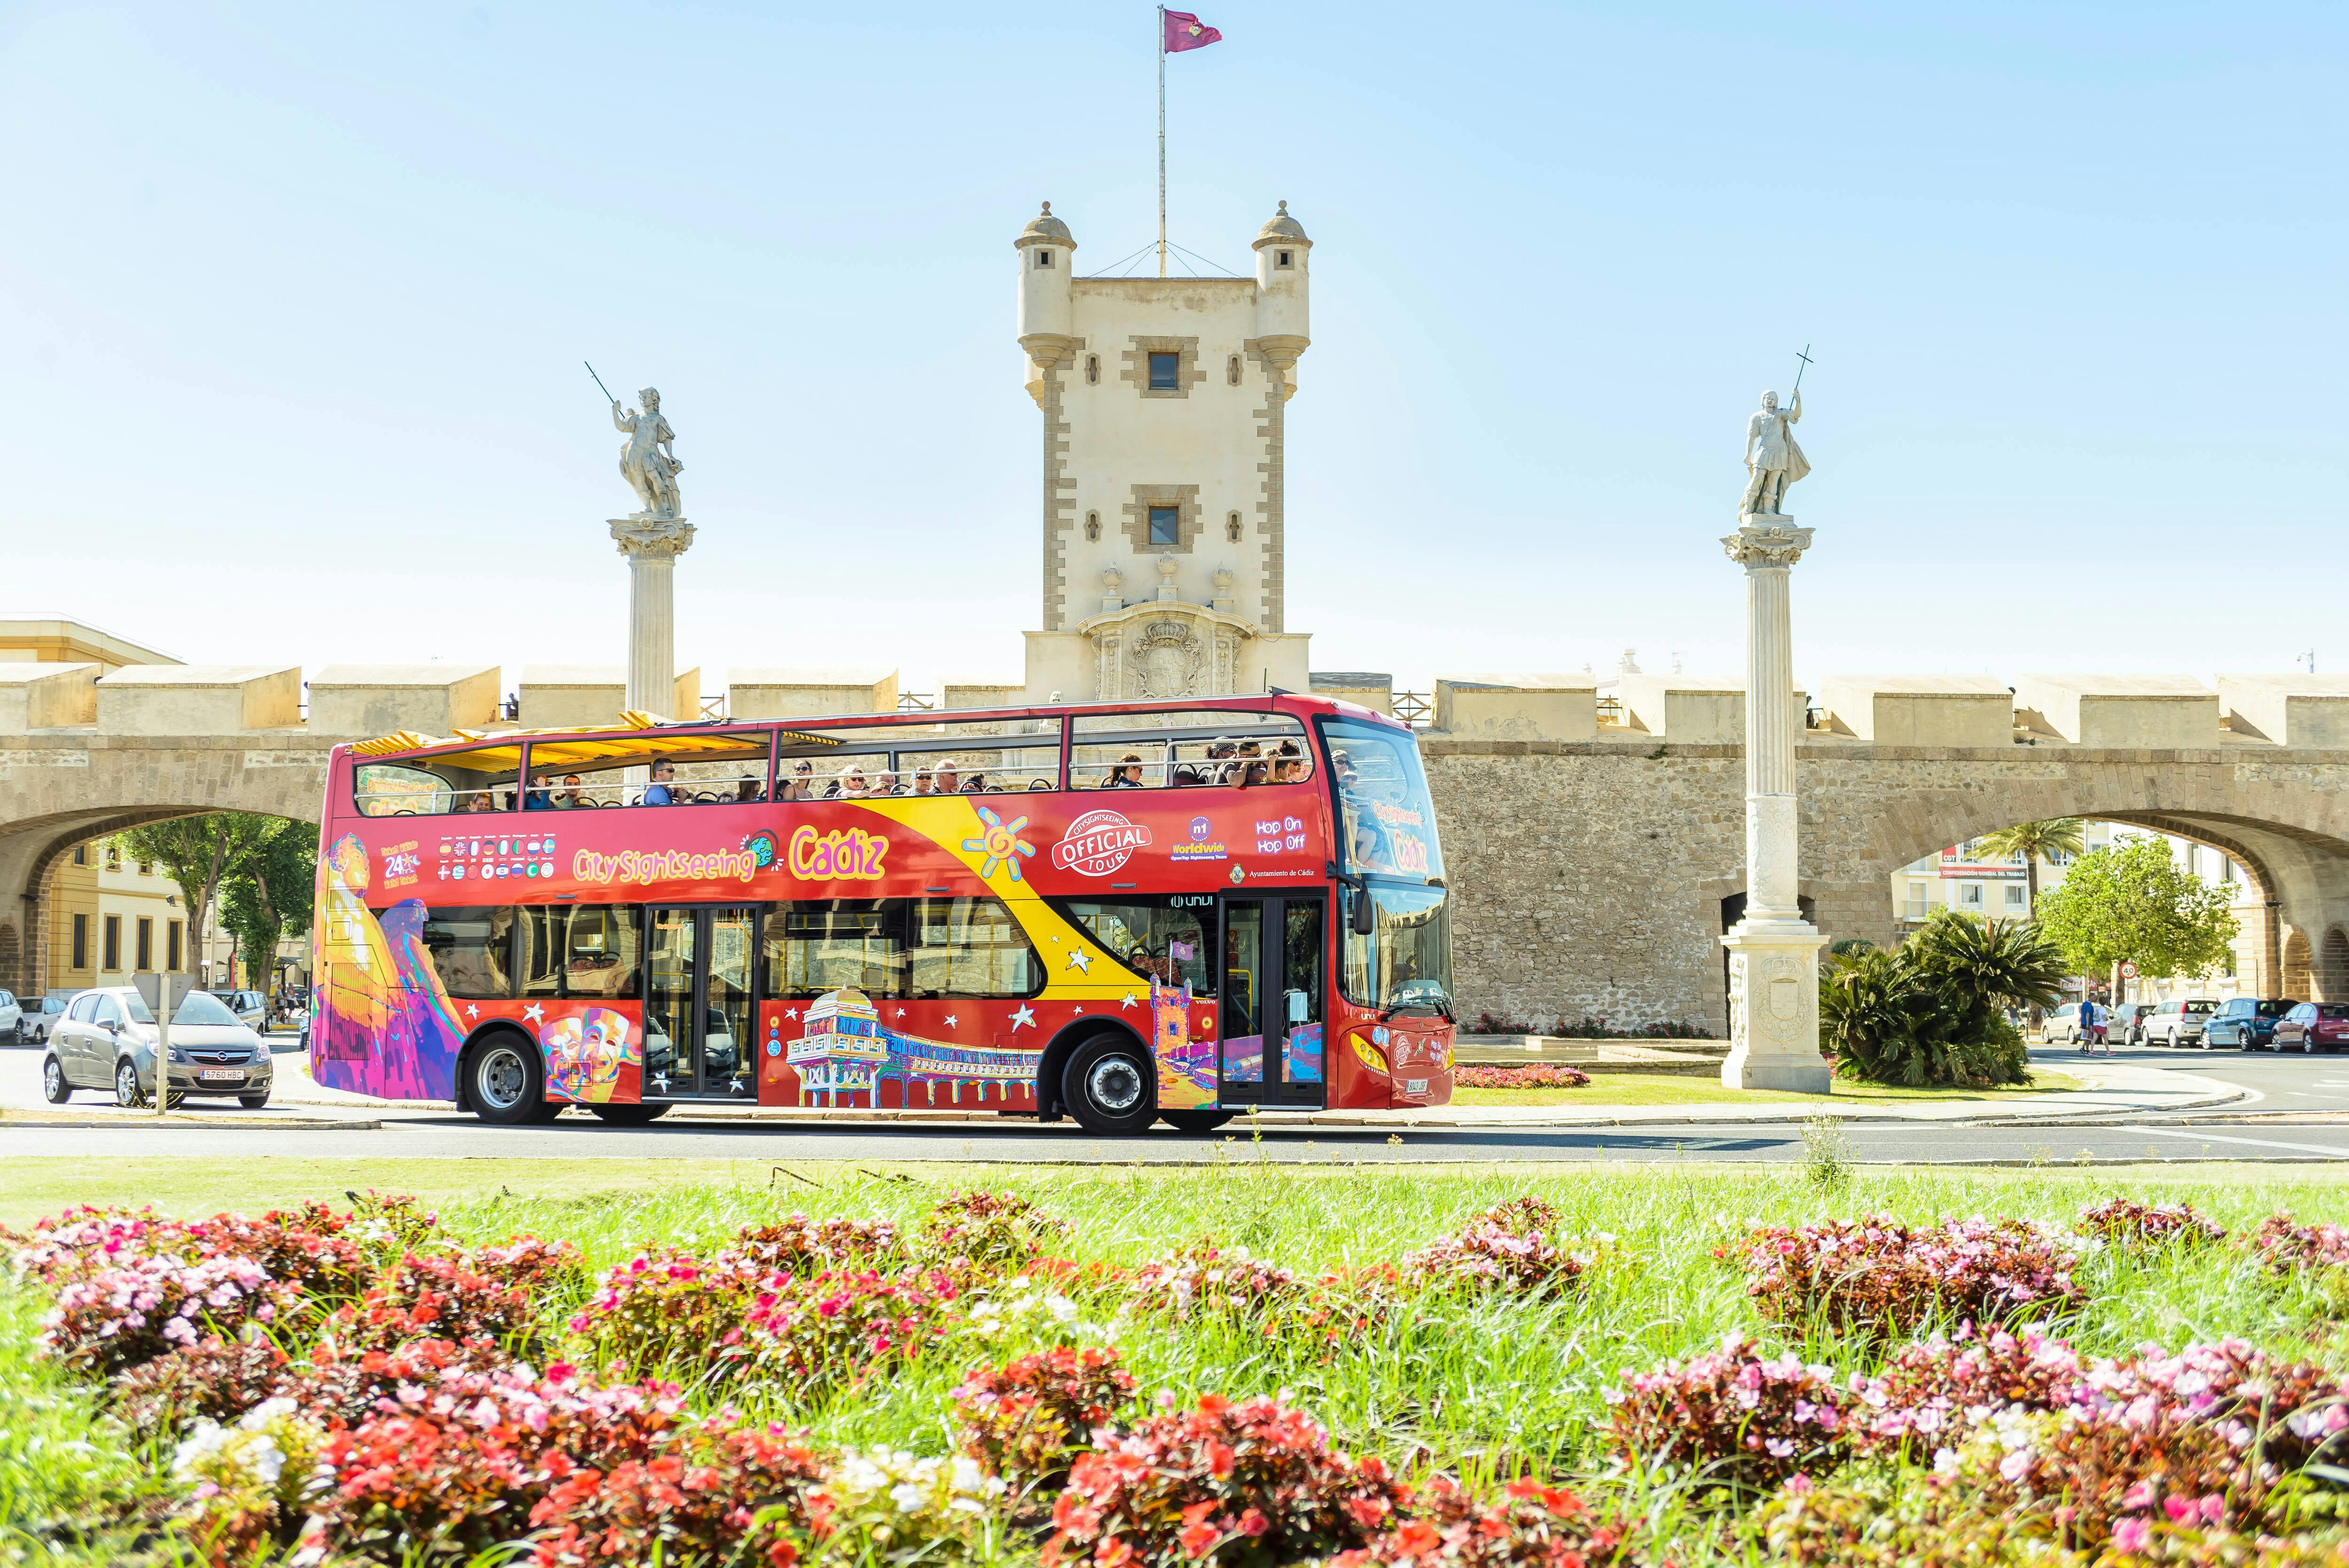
(1119, 913)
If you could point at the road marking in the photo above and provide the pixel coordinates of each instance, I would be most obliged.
(2334, 1150)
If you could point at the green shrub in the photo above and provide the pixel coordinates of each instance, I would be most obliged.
(1932, 1012)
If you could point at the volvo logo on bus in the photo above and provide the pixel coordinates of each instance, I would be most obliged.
(1098, 842)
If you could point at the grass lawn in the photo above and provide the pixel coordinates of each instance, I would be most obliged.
(1680, 1089)
(1483, 1384)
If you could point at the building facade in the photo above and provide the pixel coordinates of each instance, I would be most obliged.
(1164, 496)
(112, 917)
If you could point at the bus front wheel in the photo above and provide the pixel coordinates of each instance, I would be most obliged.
(1109, 1087)
(506, 1086)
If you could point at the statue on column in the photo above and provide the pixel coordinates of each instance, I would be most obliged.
(1772, 461)
(646, 462)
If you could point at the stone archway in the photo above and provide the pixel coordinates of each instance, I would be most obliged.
(60, 790)
(2332, 979)
(2295, 965)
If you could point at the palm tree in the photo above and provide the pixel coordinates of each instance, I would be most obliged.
(2035, 842)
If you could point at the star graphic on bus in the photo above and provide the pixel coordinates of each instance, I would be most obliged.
(1024, 1018)
(999, 841)
(1128, 1000)
(1080, 961)
(535, 1013)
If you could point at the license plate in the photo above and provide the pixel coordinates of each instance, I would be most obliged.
(1415, 1086)
(222, 1073)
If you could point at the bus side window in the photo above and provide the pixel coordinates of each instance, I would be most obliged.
(585, 951)
(968, 947)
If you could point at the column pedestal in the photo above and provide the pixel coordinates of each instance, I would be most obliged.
(652, 545)
(1773, 970)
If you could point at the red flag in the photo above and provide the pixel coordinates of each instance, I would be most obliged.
(1185, 31)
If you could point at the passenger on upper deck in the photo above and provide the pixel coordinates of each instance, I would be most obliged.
(1127, 774)
(747, 789)
(801, 782)
(570, 798)
(662, 790)
(538, 797)
(949, 781)
(886, 783)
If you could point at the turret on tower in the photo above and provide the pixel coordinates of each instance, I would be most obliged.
(1164, 444)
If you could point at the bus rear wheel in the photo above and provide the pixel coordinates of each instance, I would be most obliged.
(1194, 1120)
(1109, 1087)
(629, 1115)
(506, 1087)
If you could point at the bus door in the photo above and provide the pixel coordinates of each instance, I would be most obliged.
(697, 1002)
(1273, 973)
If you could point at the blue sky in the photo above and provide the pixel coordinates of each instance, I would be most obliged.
(295, 297)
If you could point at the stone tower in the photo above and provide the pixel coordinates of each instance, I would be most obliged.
(1164, 529)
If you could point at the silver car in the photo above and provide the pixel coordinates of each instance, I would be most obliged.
(2178, 1022)
(107, 1041)
(251, 1010)
(11, 1017)
(35, 1019)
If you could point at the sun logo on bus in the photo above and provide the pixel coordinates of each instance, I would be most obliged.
(1000, 842)
(761, 848)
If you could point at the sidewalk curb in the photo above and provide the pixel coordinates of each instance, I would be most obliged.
(156, 1123)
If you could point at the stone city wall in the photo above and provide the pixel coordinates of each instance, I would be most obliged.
(1588, 875)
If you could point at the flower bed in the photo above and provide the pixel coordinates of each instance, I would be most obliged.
(1532, 1075)
(956, 1388)
(1881, 1277)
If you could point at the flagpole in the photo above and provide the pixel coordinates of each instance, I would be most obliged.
(1162, 141)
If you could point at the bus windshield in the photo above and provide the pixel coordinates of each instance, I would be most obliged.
(1387, 822)
(1406, 960)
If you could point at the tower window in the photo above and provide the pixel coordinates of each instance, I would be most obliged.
(1166, 372)
(1093, 525)
(1232, 370)
(1093, 370)
(1044, 256)
(1165, 522)
(1232, 528)
(1283, 255)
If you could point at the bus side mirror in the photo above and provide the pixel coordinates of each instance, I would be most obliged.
(1364, 922)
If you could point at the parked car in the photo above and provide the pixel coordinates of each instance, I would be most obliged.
(2313, 1026)
(2178, 1022)
(106, 1040)
(35, 1020)
(2246, 1024)
(2127, 1025)
(11, 1017)
(251, 1009)
(2060, 1026)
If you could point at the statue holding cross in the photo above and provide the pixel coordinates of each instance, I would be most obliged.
(1772, 461)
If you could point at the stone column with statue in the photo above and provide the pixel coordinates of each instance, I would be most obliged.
(652, 538)
(1773, 990)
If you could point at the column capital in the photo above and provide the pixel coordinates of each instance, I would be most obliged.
(1760, 542)
(653, 538)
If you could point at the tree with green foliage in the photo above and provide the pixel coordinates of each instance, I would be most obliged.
(2133, 904)
(2035, 842)
(1932, 1012)
(268, 892)
(212, 856)
(196, 853)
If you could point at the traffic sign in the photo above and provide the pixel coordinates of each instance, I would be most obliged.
(2128, 971)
